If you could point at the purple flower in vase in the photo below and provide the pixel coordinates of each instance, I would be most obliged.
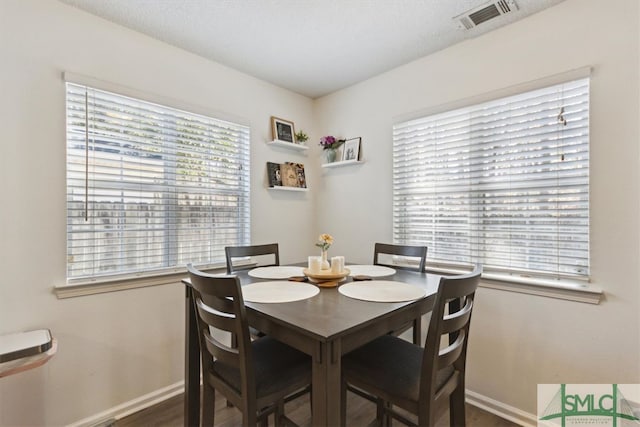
(330, 142)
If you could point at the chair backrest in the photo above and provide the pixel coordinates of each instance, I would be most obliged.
(419, 252)
(219, 305)
(250, 251)
(451, 316)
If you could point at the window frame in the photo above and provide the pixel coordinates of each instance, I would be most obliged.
(520, 277)
(169, 273)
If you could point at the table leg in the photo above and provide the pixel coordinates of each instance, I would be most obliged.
(191, 363)
(326, 373)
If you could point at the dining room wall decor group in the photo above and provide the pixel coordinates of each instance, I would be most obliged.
(291, 175)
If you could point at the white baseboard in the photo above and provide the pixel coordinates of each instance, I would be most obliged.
(135, 405)
(500, 409)
(138, 404)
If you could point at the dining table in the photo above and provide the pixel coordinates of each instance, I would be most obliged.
(324, 326)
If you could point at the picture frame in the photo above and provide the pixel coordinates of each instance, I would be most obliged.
(282, 130)
(351, 149)
(299, 169)
(273, 171)
(289, 173)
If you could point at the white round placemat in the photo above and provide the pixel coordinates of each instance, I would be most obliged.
(382, 291)
(371, 270)
(278, 291)
(276, 272)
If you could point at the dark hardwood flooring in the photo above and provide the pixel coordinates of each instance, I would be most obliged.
(360, 413)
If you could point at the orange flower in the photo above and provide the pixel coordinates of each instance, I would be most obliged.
(324, 241)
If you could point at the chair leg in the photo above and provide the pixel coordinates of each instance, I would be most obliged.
(251, 419)
(457, 416)
(278, 415)
(208, 405)
(382, 416)
(380, 411)
(234, 344)
(387, 414)
(417, 331)
(343, 403)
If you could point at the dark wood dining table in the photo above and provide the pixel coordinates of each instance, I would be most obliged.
(325, 326)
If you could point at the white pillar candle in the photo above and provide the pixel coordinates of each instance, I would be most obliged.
(335, 265)
(315, 264)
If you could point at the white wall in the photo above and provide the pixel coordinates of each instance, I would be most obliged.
(119, 346)
(518, 340)
(116, 347)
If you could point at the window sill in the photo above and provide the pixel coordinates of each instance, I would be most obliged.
(560, 289)
(566, 290)
(104, 285)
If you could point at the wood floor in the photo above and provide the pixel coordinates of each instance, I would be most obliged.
(360, 413)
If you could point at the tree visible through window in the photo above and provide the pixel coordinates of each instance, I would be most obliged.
(150, 187)
(504, 183)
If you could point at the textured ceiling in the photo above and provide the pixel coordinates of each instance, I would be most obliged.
(312, 47)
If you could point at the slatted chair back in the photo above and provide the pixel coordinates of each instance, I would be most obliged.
(219, 305)
(233, 252)
(451, 318)
(419, 252)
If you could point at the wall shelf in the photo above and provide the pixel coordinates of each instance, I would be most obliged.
(282, 188)
(342, 163)
(288, 145)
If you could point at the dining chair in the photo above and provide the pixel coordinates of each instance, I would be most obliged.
(270, 251)
(257, 376)
(422, 381)
(232, 252)
(419, 252)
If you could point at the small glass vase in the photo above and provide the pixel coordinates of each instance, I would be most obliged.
(324, 264)
(330, 154)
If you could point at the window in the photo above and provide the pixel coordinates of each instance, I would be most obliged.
(504, 183)
(150, 188)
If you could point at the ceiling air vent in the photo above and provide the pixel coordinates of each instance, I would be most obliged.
(484, 13)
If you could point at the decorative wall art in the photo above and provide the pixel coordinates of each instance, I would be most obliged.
(286, 175)
(351, 149)
(282, 130)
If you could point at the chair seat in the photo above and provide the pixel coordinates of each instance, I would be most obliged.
(277, 367)
(390, 365)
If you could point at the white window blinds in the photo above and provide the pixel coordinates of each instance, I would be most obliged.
(150, 188)
(504, 183)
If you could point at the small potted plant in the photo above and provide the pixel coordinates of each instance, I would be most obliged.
(301, 137)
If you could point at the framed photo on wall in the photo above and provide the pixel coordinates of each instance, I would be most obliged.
(299, 169)
(282, 130)
(351, 149)
(273, 171)
(289, 174)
